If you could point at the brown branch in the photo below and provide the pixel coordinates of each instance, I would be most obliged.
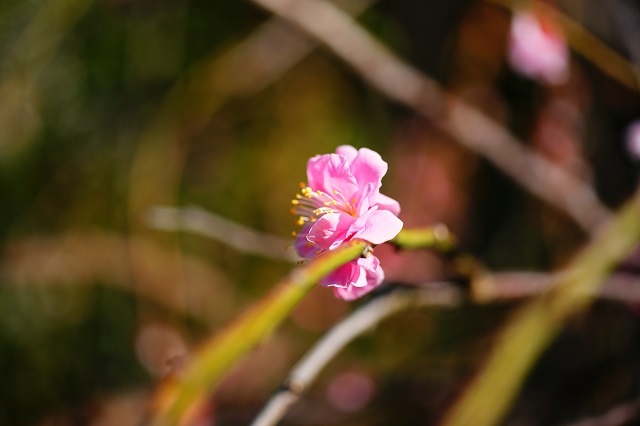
(406, 85)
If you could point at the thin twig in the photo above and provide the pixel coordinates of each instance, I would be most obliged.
(240, 237)
(405, 84)
(361, 320)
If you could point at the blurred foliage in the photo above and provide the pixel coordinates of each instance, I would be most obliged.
(82, 86)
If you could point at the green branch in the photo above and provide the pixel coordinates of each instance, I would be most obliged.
(176, 400)
(536, 325)
(437, 238)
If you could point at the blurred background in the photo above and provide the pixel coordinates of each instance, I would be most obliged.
(109, 108)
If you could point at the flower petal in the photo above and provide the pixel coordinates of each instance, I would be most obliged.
(351, 293)
(370, 263)
(330, 230)
(374, 277)
(344, 276)
(385, 203)
(368, 166)
(376, 226)
(537, 49)
(329, 173)
(348, 152)
(303, 246)
(363, 204)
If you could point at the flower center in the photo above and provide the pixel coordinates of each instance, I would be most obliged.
(309, 205)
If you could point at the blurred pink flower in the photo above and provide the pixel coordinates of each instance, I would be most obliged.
(632, 137)
(537, 49)
(341, 202)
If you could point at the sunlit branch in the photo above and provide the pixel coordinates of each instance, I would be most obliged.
(437, 237)
(405, 84)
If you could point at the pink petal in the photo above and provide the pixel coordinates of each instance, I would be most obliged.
(385, 203)
(376, 226)
(370, 264)
(330, 230)
(374, 277)
(351, 293)
(368, 166)
(363, 203)
(343, 276)
(329, 173)
(537, 51)
(348, 152)
(304, 247)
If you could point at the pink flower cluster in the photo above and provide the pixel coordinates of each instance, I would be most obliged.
(537, 49)
(342, 202)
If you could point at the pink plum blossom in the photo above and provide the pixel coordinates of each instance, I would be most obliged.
(341, 202)
(537, 49)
